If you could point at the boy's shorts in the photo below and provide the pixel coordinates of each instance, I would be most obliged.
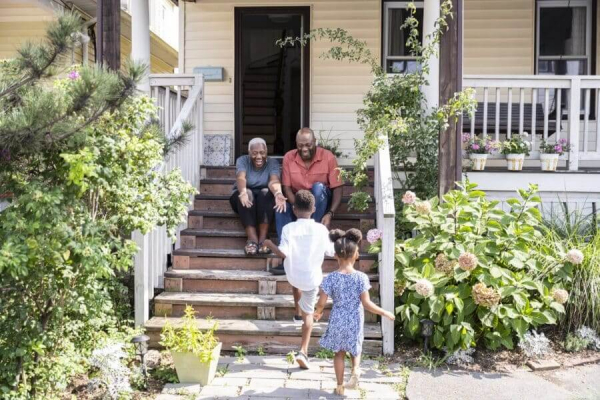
(308, 300)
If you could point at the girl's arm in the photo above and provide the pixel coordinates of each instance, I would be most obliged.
(374, 308)
(320, 305)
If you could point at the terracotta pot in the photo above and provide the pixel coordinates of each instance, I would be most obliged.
(478, 161)
(549, 162)
(191, 370)
(515, 161)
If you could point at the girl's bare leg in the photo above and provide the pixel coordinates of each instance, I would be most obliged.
(353, 382)
(338, 366)
(355, 363)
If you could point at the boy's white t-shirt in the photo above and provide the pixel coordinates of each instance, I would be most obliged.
(305, 244)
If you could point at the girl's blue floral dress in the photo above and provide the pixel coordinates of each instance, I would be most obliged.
(346, 320)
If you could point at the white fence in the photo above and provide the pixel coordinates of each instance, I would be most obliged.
(548, 107)
(386, 215)
(180, 98)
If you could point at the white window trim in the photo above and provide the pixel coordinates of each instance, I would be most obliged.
(388, 6)
(588, 34)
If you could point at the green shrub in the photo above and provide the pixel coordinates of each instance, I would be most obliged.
(475, 270)
(575, 344)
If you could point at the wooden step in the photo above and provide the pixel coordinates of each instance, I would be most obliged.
(258, 130)
(235, 305)
(207, 202)
(223, 172)
(228, 220)
(274, 337)
(259, 111)
(258, 94)
(235, 281)
(260, 78)
(264, 85)
(236, 260)
(259, 120)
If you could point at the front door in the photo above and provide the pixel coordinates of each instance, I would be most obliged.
(271, 82)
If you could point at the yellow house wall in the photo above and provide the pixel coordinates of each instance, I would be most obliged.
(336, 88)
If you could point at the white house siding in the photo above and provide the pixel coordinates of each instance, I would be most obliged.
(499, 37)
(336, 88)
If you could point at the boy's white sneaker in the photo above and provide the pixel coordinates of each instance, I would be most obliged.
(302, 360)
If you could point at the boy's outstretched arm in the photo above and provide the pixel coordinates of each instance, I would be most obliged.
(374, 308)
(274, 248)
(320, 305)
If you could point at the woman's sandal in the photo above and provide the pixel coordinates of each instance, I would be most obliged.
(251, 248)
(262, 249)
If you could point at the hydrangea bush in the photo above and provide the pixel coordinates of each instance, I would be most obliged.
(475, 271)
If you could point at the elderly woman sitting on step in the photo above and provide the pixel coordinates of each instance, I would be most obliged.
(257, 194)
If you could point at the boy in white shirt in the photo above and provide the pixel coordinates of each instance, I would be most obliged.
(303, 246)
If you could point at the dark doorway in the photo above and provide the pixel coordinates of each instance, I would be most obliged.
(271, 82)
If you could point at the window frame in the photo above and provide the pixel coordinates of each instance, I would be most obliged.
(388, 5)
(587, 4)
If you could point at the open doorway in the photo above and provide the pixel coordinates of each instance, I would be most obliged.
(271, 82)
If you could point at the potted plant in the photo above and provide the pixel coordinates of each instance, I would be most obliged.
(478, 150)
(515, 149)
(549, 153)
(195, 353)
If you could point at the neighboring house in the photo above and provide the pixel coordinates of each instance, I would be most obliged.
(26, 20)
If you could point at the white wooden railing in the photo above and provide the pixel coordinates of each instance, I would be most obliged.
(180, 98)
(577, 99)
(386, 215)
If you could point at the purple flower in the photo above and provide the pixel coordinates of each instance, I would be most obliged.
(73, 75)
(562, 141)
(475, 146)
(466, 137)
(558, 148)
(374, 235)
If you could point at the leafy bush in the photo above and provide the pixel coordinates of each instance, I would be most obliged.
(476, 270)
(189, 338)
(575, 344)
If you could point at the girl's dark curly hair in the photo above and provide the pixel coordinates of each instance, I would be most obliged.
(345, 243)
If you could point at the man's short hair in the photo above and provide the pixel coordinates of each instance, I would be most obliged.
(306, 131)
(305, 201)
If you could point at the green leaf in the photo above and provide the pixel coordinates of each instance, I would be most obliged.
(558, 307)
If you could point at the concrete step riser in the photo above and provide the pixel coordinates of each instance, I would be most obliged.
(232, 286)
(224, 205)
(235, 224)
(226, 189)
(253, 264)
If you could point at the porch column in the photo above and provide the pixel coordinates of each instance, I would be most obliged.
(431, 12)
(140, 39)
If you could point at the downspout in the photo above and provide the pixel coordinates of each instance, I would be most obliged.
(85, 40)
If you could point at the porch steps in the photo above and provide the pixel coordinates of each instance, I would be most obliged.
(254, 308)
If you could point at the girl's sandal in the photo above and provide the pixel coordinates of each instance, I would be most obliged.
(251, 248)
(353, 381)
(339, 390)
(262, 249)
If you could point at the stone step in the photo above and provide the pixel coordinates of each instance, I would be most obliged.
(235, 305)
(225, 186)
(201, 259)
(224, 239)
(236, 281)
(211, 202)
(229, 171)
(229, 220)
(273, 337)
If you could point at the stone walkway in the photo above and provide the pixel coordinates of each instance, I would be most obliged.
(272, 377)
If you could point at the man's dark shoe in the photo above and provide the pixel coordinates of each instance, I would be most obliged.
(278, 270)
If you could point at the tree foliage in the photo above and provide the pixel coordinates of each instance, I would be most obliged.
(80, 157)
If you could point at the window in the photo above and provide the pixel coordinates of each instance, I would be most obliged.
(564, 37)
(396, 56)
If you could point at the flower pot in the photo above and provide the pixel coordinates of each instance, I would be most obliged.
(515, 161)
(478, 161)
(549, 162)
(191, 370)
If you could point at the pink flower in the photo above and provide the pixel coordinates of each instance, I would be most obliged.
(424, 287)
(466, 137)
(475, 146)
(558, 148)
(562, 141)
(73, 75)
(374, 235)
(467, 261)
(423, 207)
(574, 256)
(560, 295)
(409, 197)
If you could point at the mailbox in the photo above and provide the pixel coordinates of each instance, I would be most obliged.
(211, 74)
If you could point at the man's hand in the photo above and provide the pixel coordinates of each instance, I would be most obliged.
(326, 220)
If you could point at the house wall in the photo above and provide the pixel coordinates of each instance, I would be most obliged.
(336, 88)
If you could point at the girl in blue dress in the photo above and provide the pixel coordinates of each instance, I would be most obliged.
(349, 290)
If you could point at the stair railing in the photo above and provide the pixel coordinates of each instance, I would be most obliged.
(181, 99)
(386, 216)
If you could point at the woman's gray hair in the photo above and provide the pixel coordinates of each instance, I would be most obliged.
(256, 140)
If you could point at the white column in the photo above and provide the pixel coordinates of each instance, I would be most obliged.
(140, 38)
(431, 12)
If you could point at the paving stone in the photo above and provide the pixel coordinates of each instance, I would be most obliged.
(258, 383)
(181, 388)
(275, 373)
(276, 392)
(163, 396)
(228, 381)
(543, 365)
(328, 394)
(219, 392)
(379, 390)
(302, 384)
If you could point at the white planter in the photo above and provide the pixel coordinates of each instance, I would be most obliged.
(549, 162)
(515, 161)
(478, 161)
(191, 370)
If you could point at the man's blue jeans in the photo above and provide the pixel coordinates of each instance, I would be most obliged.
(322, 202)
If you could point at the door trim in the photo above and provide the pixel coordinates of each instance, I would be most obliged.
(239, 12)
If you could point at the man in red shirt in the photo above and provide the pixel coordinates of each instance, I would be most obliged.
(311, 168)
